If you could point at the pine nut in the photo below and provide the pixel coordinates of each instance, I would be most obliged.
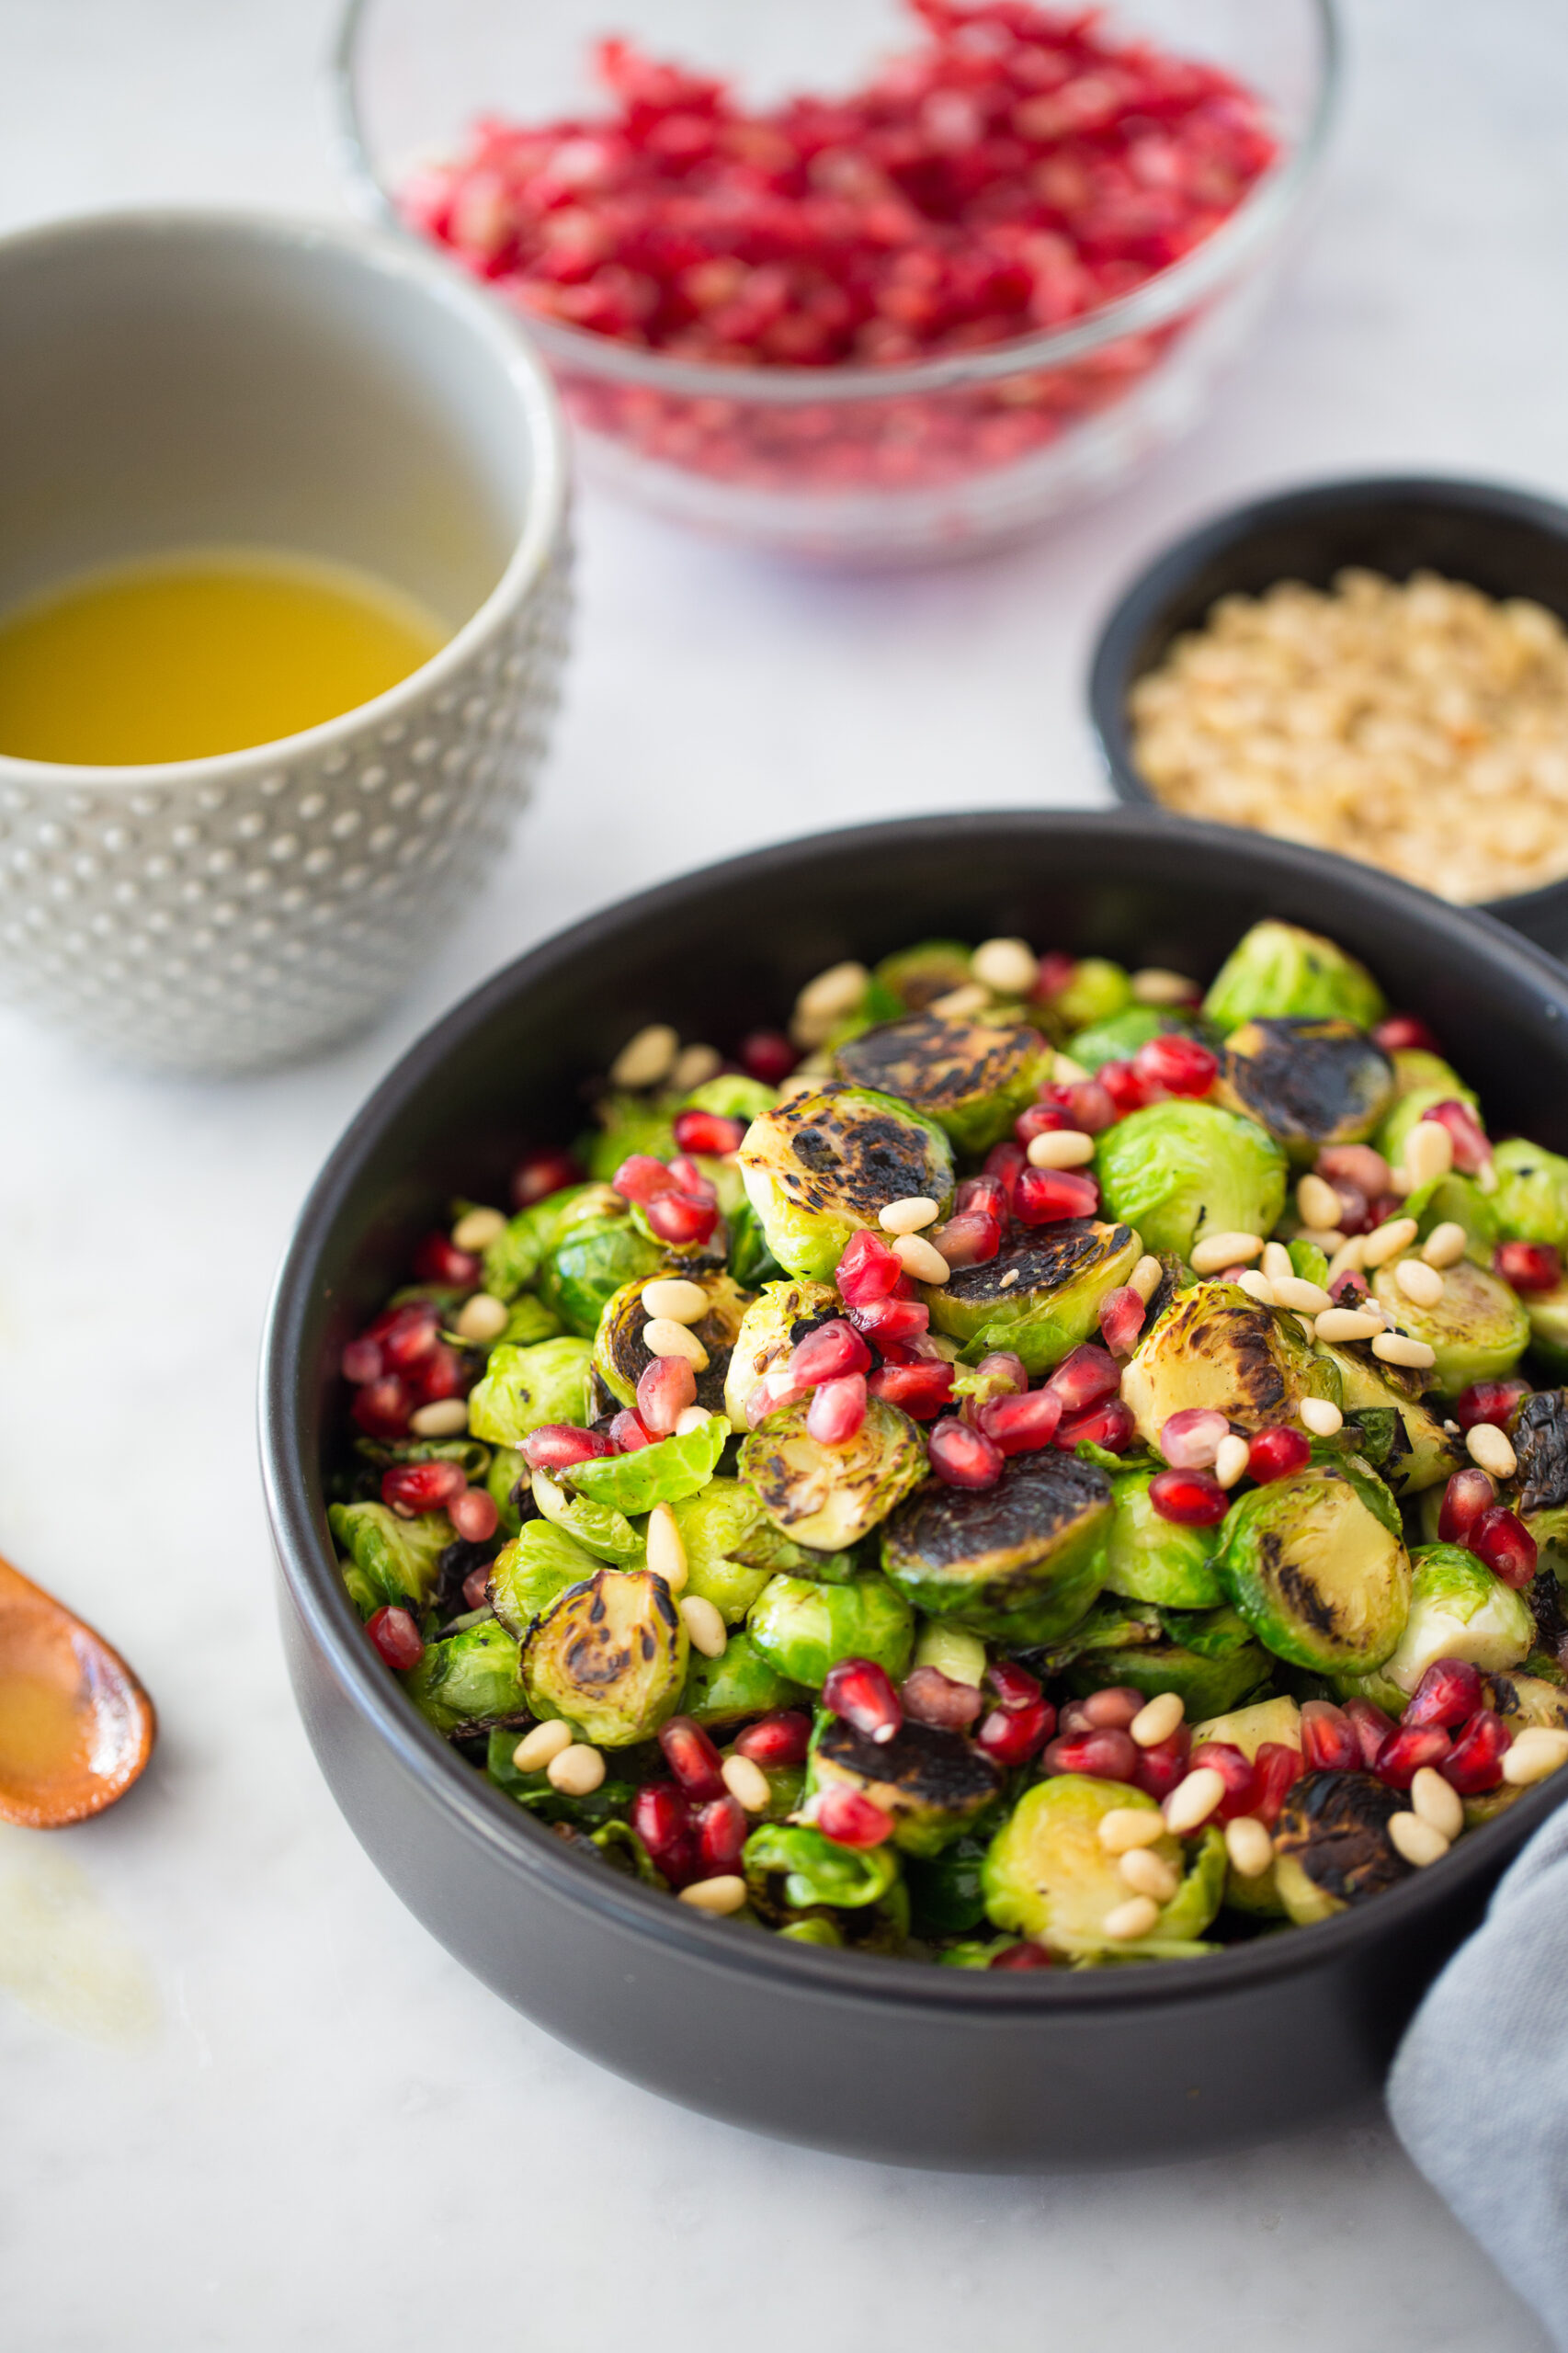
(691, 1418)
(1231, 1457)
(1396, 1348)
(1193, 1800)
(1155, 985)
(1065, 1071)
(1148, 1874)
(831, 995)
(1133, 1919)
(1321, 1418)
(1489, 1445)
(750, 1783)
(1008, 966)
(1417, 1841)
(922, 1260)
(1326, 1238)
(1447, 1243)
(1307, 1299)
(704, 1626)
(675, 1299)
(960, 1003)
(1536, 1751)
(666, 1553)
(1249, 1846)
(1146, 1277)
(907, 1216)
(536, 1748)
(478, 1230)
(1063, 1148)
(1256, 1287)
(644, 1059)
(1418, 1281)
(1276, 1261)
(1388, 1240)
(481, 1318)
(1438, 1801)
(1428, 1153)
(1158, 1720)
(1317, 1201)
(663, 1337)
(726, 1893)
(695, 1066)
(1127, 1826)
(1346, 1259)
(1347, 1324)
(1216, 1250)
(443, 1417)
(577, 1771)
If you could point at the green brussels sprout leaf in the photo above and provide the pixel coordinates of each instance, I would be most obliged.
(664, 1472)
(393, 1562)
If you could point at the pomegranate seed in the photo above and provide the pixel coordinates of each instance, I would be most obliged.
(538, 1174)
(832, 1350)
(691, 1180)
(1188, 1498)
(1055, 973)
(1114, 1707)
(868, 1272)
(556, 1444)
(1275, 1770)
(1162, 1765)
(773, 1392)
(850, 1819)
(1111, 1426)
(662, 1819)
(437, 1260)
(1449, 1694)
(1468, 1498)
(1047, 1195)
(1501, 1538)
(441, 1373)
(1278, 1453)
(642, 1178)
(707, 1133)
(383, 1407)
(1121, 1313)
(969, 1241)
(1092, 1106)
(837, 1410)
(1401, 1033)
(1474, 1764)
(1177, 1063)
(921, 1390)
(1020, 1424)
(1106, 1755)
(1329, 1742)
(1404, 1752)
(627, 1434)
(679, 1219)
(475, 1514)
(1127, 1088)
(1041, 1119)
(1472, 1151)
(885, 1320)
(767, 1055)
(414, 1487)
(397, 1639)
(1021, 1957)
(774, 1742)
(1190, 1439)
(1371, 1728)
(1348, 1290)
(860, 1691)
(1358, 1166)
(477, 1587)
(930, 1696)
(1014, 1685)
(361, 1361)
(982, 1197)
(1489, 1401)
(1004, 1372)
(721, 1829)
(1006, 1163)
(664, 1389)
(964, 1457)
(1528, 1265)
(1234, 1768)
(1010, 1736)
(1086, 1376)
(408, 1336)
(692, 1757)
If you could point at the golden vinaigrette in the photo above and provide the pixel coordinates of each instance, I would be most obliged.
(202, 650)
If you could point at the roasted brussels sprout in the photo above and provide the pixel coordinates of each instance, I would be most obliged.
(1279, 968)
(1047, 1876)
(1477, 1331)
(802, 1629)
(1309, 1082)
(915, 977)
(824, 1164)
(621, 1358)
(1332, 1847)
(1039, 1296)
(533, 1571)
(528, 1321)
(1216, 1347)
(933, 1784)
(506, 1481)
(519, 1251)
(1525, 1699)
(1151, 1559)
(1415, 1070)
(1538, 1490)
(1207, 1656)
(1096, 992)
(524, 1388)
(391, 1563)
(594, 1257)
(1176, 1171)
(1021, 1560)
(1278, 1720)
(626, 1123)
(1428, 1454)
(733, 1096)
(599, 1529)
(1459, 1610)
(714, 1524)
(475, 1677)
(1319, 1576)
(610, 1655)
(830, 1496)
(1117, 1040)
(665, 1472)
(782, 1314)
(737, 1685)
(1457, 1201)
(972, 1077)
(1531, 1201)
(815, 1870)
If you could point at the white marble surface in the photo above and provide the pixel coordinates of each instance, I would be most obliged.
(260, 2105)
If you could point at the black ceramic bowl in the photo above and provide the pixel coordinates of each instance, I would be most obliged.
(897, 2060)
(1504, 541)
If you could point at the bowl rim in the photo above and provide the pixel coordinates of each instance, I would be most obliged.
(1145, 595)
(1263, 212)
(484, 1814)
(422, 276)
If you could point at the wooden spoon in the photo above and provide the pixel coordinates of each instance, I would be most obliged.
(76, 1726)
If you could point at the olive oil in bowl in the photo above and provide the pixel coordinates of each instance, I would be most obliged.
(201, 652)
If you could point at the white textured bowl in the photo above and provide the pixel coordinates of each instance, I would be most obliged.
(173, 378)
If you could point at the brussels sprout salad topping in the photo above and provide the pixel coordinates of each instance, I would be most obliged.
(1034, 1465)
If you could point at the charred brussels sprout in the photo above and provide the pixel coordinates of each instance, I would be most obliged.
(1459, 1610)
(1117, 1040)
(610, 1656)
(1525, 1699)
(1176, 1171)
(1216, 1347)
(830, 1496)
(524, 1388)
(1280, 969)
(915, 977)
(1477, 1331)
(736, 1685)
(822, 1165)
(1039, 1296)
(533, 1571)
(391, 1563)
(1151, 1559)
(1367, 1388)
(1047, 1875)
(1539, 1491)
(1021, 1560)
(1531, 1201)
(972, 1077)
(782, 1314)
(1317, 1574)
(1207, 1656)
(473, 1679)
(594, 1257)
(801, 1630)
(665, 1472)
(621, 1359)
(1332, 1847)
(933, 1784)
(1309, 1083)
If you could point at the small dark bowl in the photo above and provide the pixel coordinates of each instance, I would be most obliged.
(1504, 541)
(900, 2061)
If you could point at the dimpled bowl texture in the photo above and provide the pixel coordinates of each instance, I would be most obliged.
(1506, 541)
(900, 2061)
(175, 379)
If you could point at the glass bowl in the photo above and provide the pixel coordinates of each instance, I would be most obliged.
(854, 463)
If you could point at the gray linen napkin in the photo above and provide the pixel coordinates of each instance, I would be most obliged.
(1479, 2091)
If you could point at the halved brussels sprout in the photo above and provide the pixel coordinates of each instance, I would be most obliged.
(1216, 1347)
(736, 1685)
(972, 1077)
(1314, 1570)
(519, 1251)
(1428, 1454)
(1459, 1610)
(1309, 1082)
(1207, 1656)
(473, 1678)
(1046, 1874)
(1178, 1170)
(1277, 969)
(815, 1870)
(1117, 1040)
(1538, 1490)
(665, 1472)
(782, 1314)
(1096, 992)
(801, 1629)
(714, 1525)
(915, 977)
(1332, 1847)
(533, 1571)
(733, 1096)
(524, 1388)
(393, 1562)
(1531, 1201)
(830, 1496)
(822, 1165)
(1021, 1560)
(1525, 1699)
(1151, 1559)
(610, 1656)
(1039, 1296)
(933, 1784)
(1547, 1315)
(1477, 1331)
(1247, 1728)
(593, 1258)
(621, 1359)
